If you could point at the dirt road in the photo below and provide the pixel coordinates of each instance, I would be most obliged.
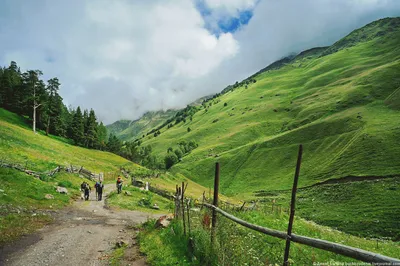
(83, 234)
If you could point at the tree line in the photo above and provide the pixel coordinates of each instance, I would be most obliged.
(26, 94)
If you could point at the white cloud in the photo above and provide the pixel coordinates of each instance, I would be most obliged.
(123, 58)
(232, 6)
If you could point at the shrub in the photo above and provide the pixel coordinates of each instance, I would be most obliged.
(178, 153)
(147, 201)
(189, 129)
(170, 160)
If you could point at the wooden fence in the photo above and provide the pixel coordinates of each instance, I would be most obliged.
(355, 253)
(70, 169)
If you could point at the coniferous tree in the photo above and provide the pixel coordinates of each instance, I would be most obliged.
(77, 128)
(114, 144)
(54, 108)
(91, 127)
(101, 136)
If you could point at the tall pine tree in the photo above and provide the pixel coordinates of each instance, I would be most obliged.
(77, 128)
(91, 134)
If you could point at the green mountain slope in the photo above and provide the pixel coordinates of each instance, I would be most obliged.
(18, 144)
(130, 130)
(340, 102)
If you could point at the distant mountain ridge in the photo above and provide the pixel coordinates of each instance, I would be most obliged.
(132, 129)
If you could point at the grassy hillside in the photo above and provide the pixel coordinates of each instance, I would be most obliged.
(18, 144)
(343, 107)
(130, 130)
(341, 102)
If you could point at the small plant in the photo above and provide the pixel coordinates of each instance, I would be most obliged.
(147, 201)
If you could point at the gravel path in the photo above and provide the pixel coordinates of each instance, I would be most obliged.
(83, 234)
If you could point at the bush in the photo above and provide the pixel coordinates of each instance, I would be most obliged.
(189, 129)
(170, 160)
(147, 201)
(225, 104)
(178, 153)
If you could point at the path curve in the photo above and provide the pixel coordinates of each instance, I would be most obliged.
(82, 234)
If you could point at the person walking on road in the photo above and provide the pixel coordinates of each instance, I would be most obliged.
(83, 185)
(99, 190)
(96, 186)
(119, 184)
(87, 191)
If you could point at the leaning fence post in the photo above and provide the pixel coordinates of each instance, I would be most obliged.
(215, 202)
(183, 207)
(292, 207)
(176, 202)
(188, 214)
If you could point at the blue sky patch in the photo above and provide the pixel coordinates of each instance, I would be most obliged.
(224, 24)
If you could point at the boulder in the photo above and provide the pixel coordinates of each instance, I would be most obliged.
(49, 196)
(121, 243)
(155, 206)
(127, 193)
(163, 221)
(62, 190)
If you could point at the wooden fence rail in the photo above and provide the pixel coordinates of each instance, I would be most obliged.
(344, 250)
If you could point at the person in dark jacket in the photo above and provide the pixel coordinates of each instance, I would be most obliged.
(87, 191)
(96, 186)
(100, 188)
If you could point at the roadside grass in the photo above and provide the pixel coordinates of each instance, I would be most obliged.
(139, 200)
(23, 203)
(237, 245)
(12, 226)
(117, 255)
(164, 247)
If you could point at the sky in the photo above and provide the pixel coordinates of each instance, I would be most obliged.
(125, 57)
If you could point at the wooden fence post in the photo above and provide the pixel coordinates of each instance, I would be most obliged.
(215, 203)
(188, 213)
(183, 207)
(176, 202)
(292, 207)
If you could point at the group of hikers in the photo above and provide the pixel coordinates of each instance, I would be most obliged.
(99, 186)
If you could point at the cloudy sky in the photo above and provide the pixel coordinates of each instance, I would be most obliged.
(125, 57)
